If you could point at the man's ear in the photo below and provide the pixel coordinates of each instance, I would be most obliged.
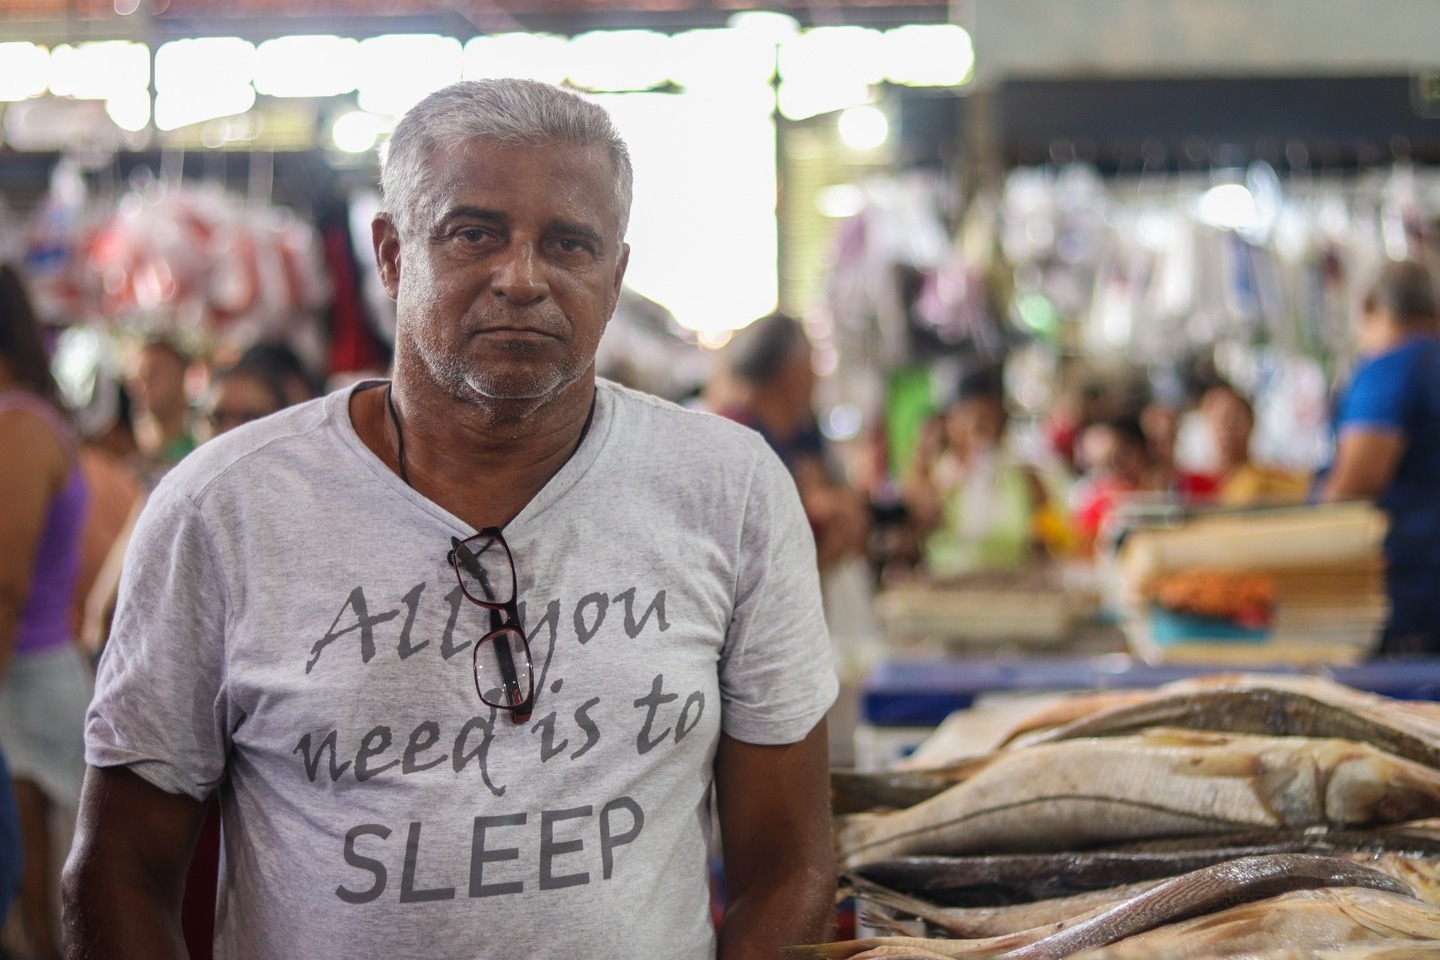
(386, 240)
(620, 265)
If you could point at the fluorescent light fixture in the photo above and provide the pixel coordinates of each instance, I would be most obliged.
(767, 25)
(619, 60)
(399, 70)
(928, 55)
(187, 67)
(130, 111)
(530, 56)
(863, 128)
(358, 131)
(99, 71)
(721, 59)
(841, 54)
(180, 108)
(307, 66)
(24, 70)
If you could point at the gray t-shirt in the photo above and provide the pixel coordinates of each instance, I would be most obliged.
(291, 632)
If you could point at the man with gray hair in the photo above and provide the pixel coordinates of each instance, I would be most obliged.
(468, 654)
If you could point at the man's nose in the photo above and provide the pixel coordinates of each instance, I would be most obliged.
(520, 274)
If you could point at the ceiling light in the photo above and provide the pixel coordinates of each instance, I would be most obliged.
(24, 70)
(530, 56)
(399, 70)
(99, 71)
(306, 66)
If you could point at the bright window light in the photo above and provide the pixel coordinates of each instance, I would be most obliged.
(180, 108)
(307, 66)
(358, 131)
(863, 127)
(721, 59)
(24, 71)
(828, 69)
(701, 159)
(800, 99)
(615, 60)
(530, 56)
(212, 63)
(130, 111)
(99, 71)
(397, 71)
(928, 55)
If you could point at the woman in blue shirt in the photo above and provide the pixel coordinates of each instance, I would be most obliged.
(1387, 447)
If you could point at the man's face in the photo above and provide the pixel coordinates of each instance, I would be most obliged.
(508, 267)
(1231, 425)
(157, 382)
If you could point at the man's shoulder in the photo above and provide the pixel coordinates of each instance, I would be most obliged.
(262, 445)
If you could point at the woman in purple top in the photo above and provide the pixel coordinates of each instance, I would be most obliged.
(44, 682)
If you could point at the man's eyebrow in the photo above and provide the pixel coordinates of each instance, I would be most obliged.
(577, 230)
(471, 213)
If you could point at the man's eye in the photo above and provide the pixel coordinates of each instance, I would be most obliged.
(472, 235)
(570, 246)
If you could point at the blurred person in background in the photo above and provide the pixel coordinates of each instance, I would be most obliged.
(1113, 455)
(109, 458)
(44, 682)
(1387, 447)
(237, 395)
(156, 382)
(772, 388)
(974, 503)
(280, 364)
(1239, 480)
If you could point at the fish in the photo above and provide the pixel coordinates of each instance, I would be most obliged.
(1205, 891)
(1304, 921)
(856, 791)
(1389, 949)
(1162, 783)
(1020, 878)
(1257, 709)
(992, 921)
(1199, 892)
(1421, 876)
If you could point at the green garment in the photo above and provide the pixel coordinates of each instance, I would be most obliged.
(985, 522)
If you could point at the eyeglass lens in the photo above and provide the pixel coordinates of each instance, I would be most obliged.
(503, 676)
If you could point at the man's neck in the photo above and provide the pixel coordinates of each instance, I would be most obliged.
(482, 462)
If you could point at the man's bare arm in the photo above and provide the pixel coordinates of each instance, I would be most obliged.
(774, 806)
(1365, 463)
(125, 878)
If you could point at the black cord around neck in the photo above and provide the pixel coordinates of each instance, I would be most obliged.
(400, 434)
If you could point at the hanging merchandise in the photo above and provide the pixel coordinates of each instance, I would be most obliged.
(882, 257)
(191, 261)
